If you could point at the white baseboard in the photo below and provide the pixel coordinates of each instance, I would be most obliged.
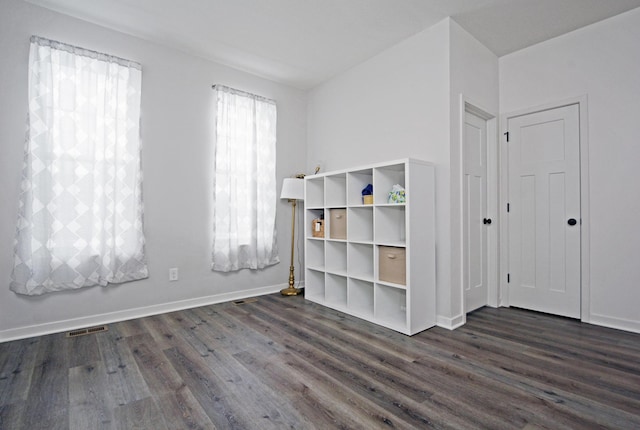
(612, 322)
(451, 323)
(113, 317)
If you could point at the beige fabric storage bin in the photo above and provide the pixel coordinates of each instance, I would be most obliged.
(338, 224)
(317, 229)
(392, 265)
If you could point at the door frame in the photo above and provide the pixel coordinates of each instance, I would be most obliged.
(493, 257)
(581, 101)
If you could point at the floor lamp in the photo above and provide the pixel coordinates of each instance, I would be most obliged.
(293, 190)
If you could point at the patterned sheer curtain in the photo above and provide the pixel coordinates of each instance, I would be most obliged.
(244, 209)
(80, 214)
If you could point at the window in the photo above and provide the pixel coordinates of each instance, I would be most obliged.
(80, 219)
(244, 209)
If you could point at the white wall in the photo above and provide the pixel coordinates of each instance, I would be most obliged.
(177, 102)
(601, 61)
(403, 103)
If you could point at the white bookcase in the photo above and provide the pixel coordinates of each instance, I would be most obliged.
(344, 273)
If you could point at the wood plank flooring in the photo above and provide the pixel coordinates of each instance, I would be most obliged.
(282, 362)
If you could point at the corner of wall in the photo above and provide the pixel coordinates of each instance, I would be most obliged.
(451, 323)
(473, 76)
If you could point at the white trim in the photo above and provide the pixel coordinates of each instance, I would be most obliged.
(451, 323)
(113, 317)
(617, 323)
(503, 184)
(582, 102)
(493, 212)
(585, 248)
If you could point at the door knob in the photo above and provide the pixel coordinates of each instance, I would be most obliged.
(486, 221)
(572, 221)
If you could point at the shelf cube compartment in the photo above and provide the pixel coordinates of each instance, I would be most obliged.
(361, 297)
(315, 254)
(314, 285)
(360, 224)
(314, 192)
(338, 224)
(356, 182)
(384, 178)
(390, 225)
(336, 290)
(336, 190)
(336, 257)
(310, 216)
(391, 306)
(360, 261)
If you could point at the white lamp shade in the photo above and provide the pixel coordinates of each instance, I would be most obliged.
(292, 188)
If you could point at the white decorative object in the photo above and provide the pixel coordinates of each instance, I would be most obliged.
(397, 195)
(80, 220)
(344, 274)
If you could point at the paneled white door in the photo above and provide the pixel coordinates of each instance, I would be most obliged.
(544, 211)
(475, 210)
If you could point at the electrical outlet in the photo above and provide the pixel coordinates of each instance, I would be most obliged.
(173, 274)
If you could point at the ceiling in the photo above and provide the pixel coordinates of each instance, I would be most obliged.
(305, 42)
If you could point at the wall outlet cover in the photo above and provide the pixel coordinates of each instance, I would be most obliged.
(173, 274)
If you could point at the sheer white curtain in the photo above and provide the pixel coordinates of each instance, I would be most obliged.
(80, 219)
(244, 209)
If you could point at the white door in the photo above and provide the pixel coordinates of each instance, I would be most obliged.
(544, 211)
(475, 210)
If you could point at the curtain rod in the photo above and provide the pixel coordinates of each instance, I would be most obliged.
(107, 58)
(241, 93)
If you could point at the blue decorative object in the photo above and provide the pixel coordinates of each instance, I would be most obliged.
(367, 195)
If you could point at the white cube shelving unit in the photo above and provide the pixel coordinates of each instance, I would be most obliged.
(343, 274)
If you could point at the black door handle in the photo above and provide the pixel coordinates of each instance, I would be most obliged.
(486, 221)
(572, 221)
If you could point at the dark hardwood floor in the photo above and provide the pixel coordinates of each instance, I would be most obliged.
(282, 362)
